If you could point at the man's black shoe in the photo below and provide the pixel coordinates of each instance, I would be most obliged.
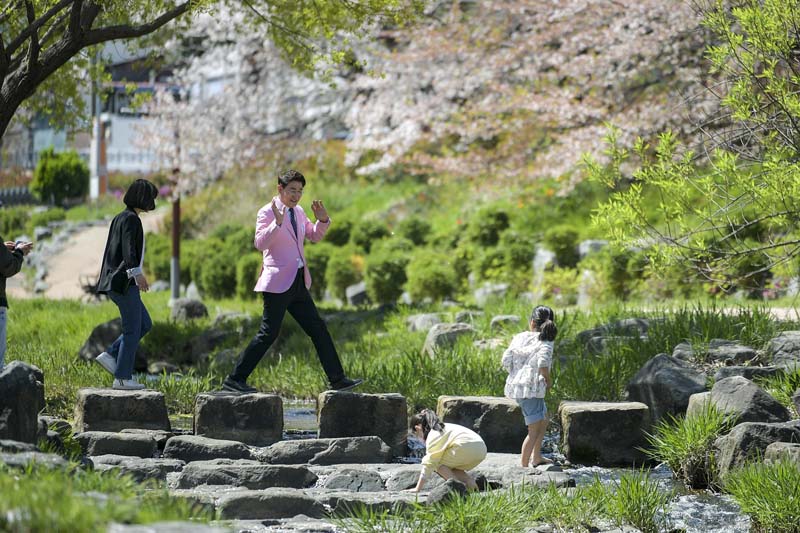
(346, 384)
(230, 384)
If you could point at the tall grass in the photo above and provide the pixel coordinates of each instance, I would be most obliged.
(769, 493)
(685, 444)
(372, 343)
(635, 500)
(782, 387)
(83, 501)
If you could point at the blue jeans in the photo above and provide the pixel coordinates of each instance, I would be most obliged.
(135, 325)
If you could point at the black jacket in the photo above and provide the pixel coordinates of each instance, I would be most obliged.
(123, 252)
(10, 263)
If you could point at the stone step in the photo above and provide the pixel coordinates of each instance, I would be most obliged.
(115, 410)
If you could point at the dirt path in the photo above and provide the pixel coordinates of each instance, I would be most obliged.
(81, 256)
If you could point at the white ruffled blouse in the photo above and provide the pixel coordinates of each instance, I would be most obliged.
(522, 360)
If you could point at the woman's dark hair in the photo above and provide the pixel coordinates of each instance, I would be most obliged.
(289, 176)
(141, 195)
(428, 420)
(544, 319)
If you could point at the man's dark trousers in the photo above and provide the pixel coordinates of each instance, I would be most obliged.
(298, 302)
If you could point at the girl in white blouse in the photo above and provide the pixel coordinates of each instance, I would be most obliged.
(528, 360)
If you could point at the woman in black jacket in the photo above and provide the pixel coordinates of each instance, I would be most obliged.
(121, 278)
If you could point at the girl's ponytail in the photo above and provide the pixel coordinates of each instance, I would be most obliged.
(548, 331)
(544, 319)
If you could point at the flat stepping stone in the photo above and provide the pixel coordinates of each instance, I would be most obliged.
(103, 442)
(193, 448)
(254, 419)
(327, 451)
(140, 469)
(352, 414)
(115, 410)
(268, 504)
(245, 474)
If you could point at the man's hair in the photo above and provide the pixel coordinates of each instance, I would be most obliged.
(141, 195)
(289, 176)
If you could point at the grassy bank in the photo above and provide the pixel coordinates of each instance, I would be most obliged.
(373, 343)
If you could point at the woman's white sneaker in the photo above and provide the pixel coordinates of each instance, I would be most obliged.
(127, 384)
(107, 361)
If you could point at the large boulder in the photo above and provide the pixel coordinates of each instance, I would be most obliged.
(424, 321)
(444, 336)
(452, 489)
(665, 384)
(749, 372)
(25, 460)
(498, 421)
(778, 451)
(193, 448)
(747, 401)
(354, 450)
(255, 419)
(350, 414)
(784, 349)
(354, 480)
(729, 352)
(102, 336)
(184, 309)
(247, 474)
(505, 322)
(268, 504)
(628, 327)
(749, 441)
(103, 442)
(115, 410)
(698, 403)
(604, 433)
(139, 469)
(21, 399)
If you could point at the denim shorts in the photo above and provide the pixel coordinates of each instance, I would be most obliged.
(533, 409)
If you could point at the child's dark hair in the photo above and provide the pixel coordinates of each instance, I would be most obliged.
(544, 319)
(428, 420)
(141, 195)
(289, 176)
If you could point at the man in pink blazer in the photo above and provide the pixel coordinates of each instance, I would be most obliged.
(281, 228)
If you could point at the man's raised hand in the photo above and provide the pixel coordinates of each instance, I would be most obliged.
(278, 213)
(319, 211)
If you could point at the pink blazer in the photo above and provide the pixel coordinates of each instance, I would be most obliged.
(281, 247)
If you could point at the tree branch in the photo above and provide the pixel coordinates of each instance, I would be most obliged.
(75, 18)
(33, 47)
(35, 25)
(110, 33)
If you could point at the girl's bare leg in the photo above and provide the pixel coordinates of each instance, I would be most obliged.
(446, 472)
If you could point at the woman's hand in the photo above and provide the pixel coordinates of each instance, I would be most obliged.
(141, 282)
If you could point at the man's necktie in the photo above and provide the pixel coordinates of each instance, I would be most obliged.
(292, 220)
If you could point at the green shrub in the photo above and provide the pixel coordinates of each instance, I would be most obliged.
(13, 221)
(769, 493)
(344, 269)
(43, 218)
(415, 229)
(248, 268)
(561, 285)
(488, 264)
(563, 241)
(193, 253)
(338, 233)
(385, 270)
(238, 238)
(366, 233)
(59, 176)
(430, 275)
(486, 224)
(317, 256)
(212, 267)
(685, 444)
(158, 256)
